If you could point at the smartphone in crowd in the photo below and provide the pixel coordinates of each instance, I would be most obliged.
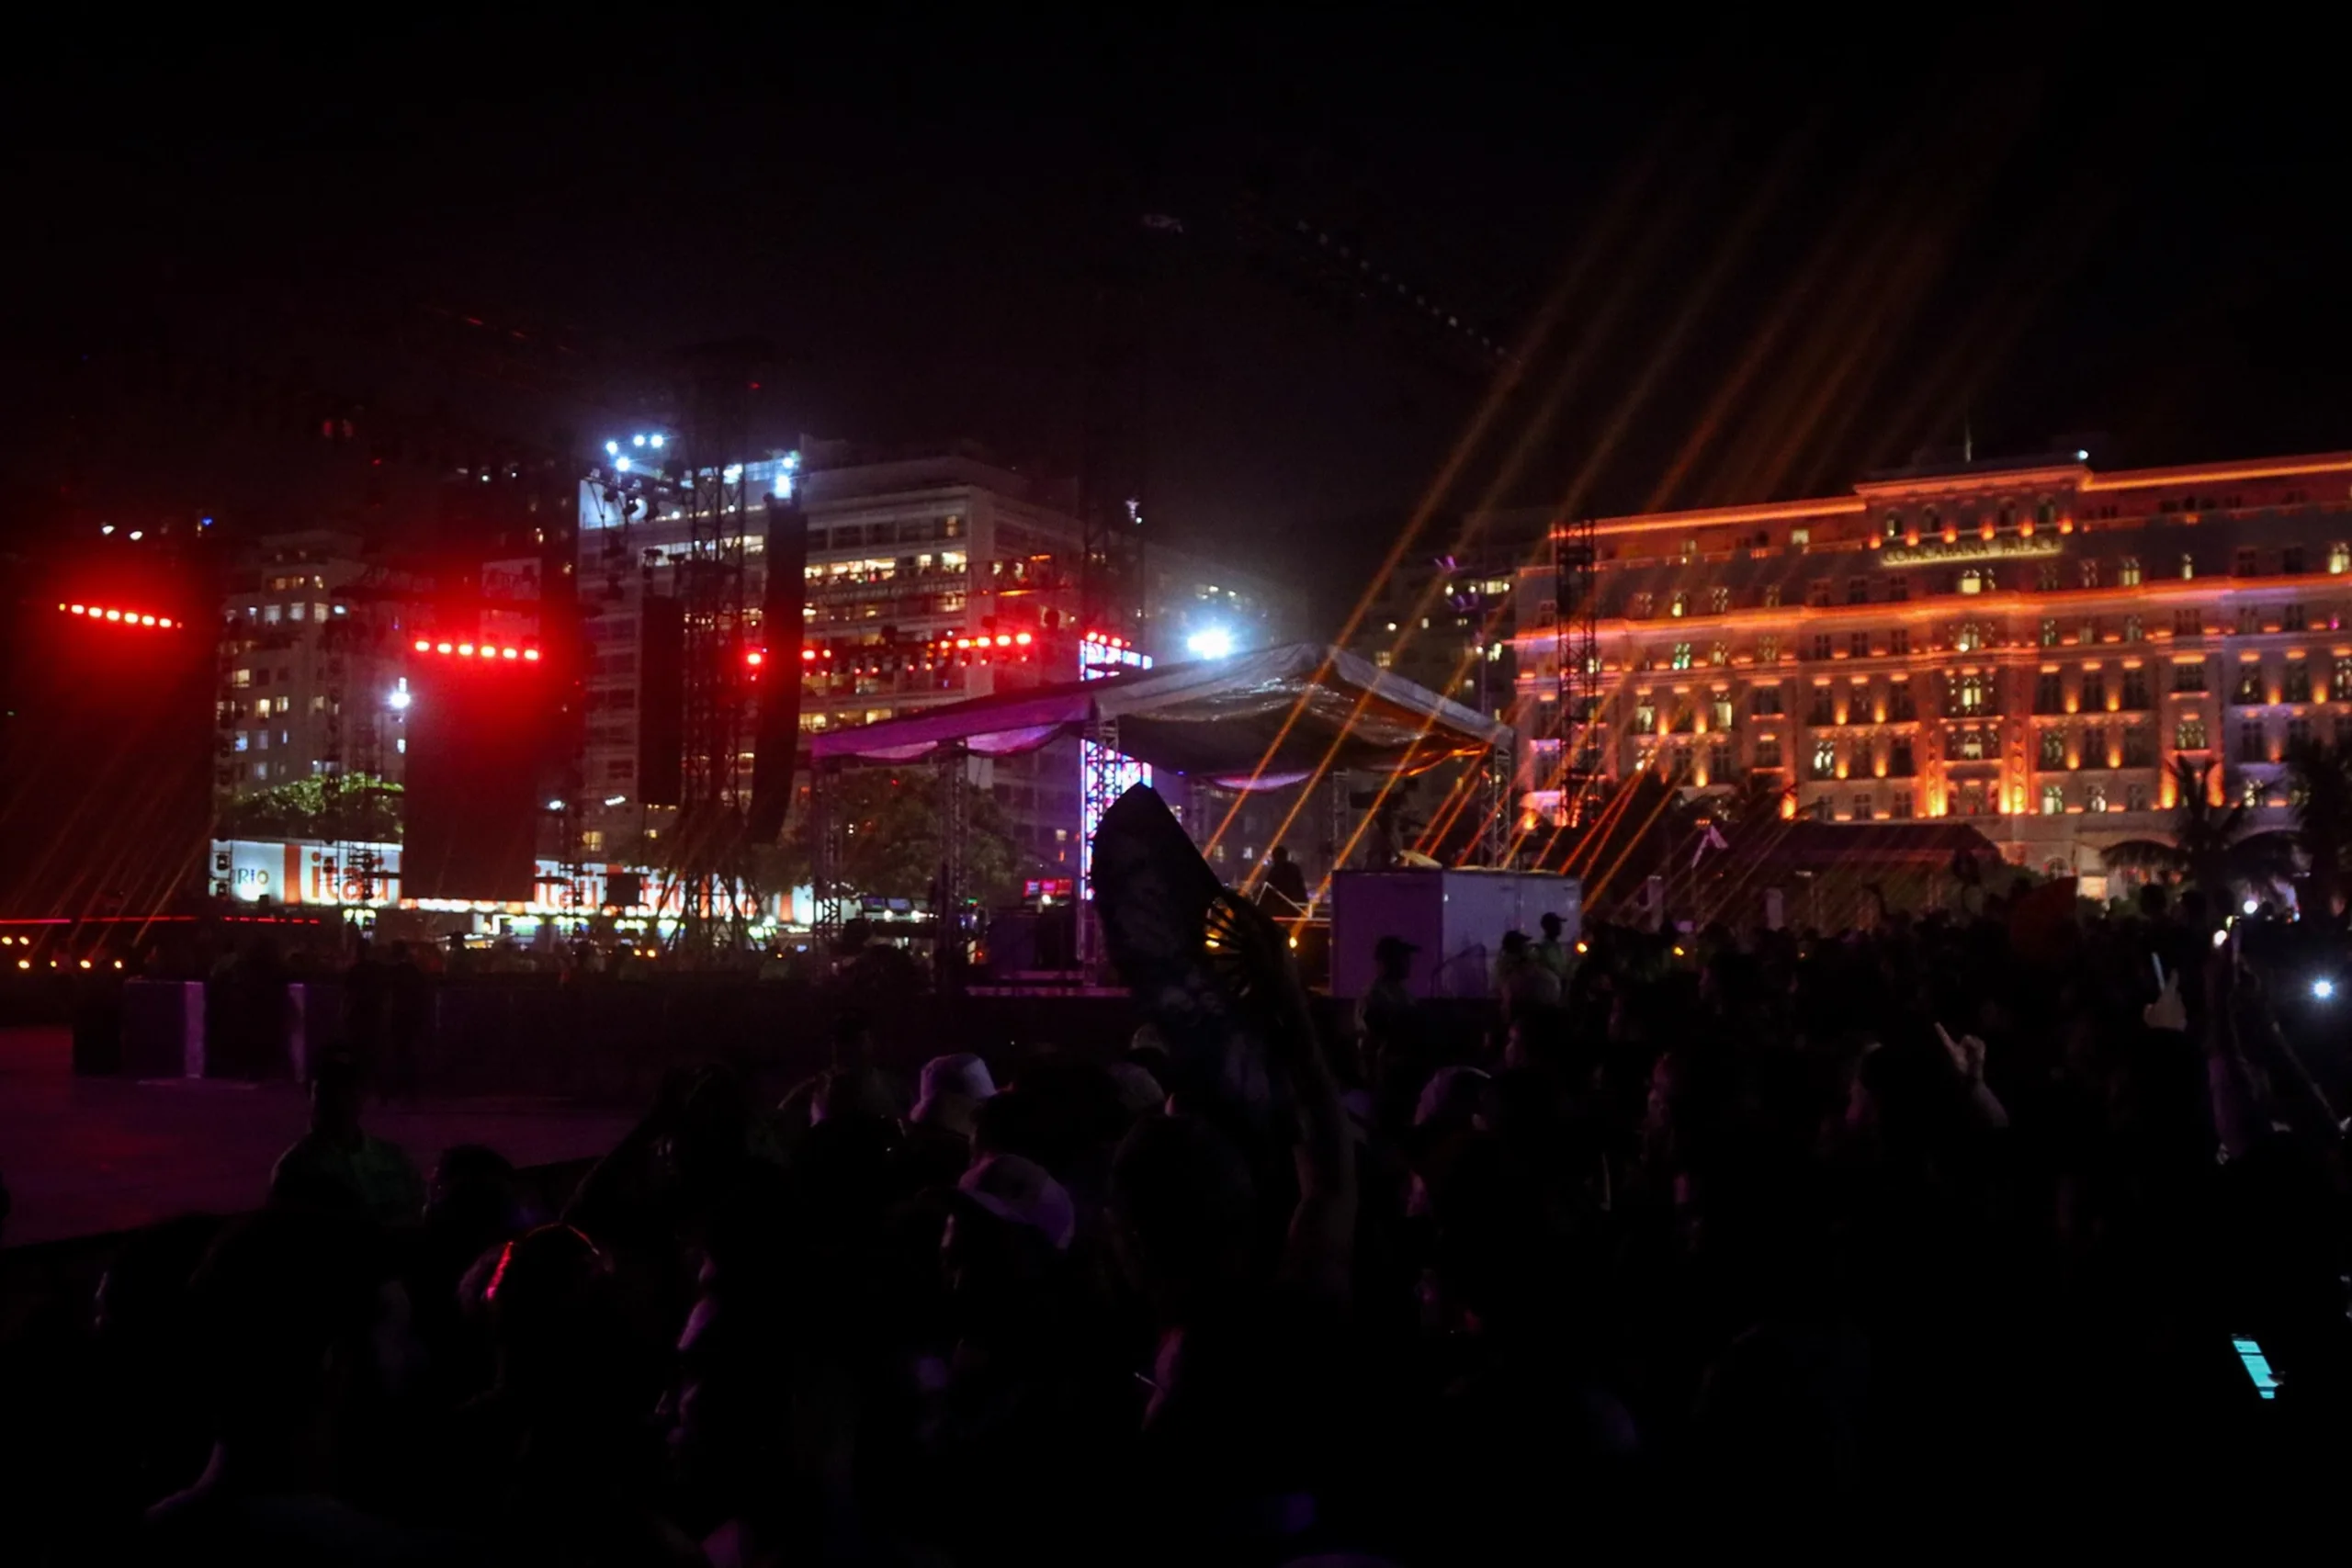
(2256, 1365)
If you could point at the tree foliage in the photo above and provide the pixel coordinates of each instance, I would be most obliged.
(2319, 775)
(361, 808)
(2211, 845)
(891, 838)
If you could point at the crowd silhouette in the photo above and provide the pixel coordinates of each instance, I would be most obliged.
(1692, 1239)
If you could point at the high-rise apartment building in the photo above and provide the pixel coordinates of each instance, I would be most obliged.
(1444, 620)
(310, 662)
(2029, 645)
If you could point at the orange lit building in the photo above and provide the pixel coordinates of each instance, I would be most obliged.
(2027, 645)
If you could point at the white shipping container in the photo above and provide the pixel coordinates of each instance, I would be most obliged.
(1456, 918)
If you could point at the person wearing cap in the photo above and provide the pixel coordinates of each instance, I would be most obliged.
(1007, 1389)
(1550, 952)
(952, 1089)
(939, 1129)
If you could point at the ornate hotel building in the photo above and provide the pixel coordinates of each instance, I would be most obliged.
(2029, 645)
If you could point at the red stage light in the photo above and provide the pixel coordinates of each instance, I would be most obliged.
(441, 647)
(146, 620)
(1023, 639)
(466, 649)
(809, 653)
(423, 646)
(532, 654)
(80, 610)
(1003, 640)
(164, 621)
(510, 653)
(114, 615)
(755, 659)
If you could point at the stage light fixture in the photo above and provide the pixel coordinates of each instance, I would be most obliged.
(423, 644)
(399, 699)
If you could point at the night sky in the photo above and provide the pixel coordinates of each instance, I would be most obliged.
(1726, 267)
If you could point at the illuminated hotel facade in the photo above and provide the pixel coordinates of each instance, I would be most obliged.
(2027, 646)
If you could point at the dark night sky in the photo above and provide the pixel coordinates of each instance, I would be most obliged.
(1771, 263)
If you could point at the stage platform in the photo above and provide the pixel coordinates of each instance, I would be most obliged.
(86, 1155)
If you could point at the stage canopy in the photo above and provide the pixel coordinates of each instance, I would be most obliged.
(1212, 719)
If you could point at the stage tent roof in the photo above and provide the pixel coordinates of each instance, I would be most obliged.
(1213, 719)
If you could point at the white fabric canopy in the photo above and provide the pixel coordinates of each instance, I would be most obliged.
(1229, 720)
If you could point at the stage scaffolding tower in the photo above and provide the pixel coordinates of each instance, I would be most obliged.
(1576, 632)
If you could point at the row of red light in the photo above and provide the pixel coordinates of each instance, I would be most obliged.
(125, 617)
(476, 650)
(1002, 640)
(1107, 641)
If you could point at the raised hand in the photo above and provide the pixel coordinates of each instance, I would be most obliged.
(2167, 1011)
(1967, 1053)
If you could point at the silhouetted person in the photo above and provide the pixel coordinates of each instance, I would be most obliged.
(1286, 889)
(337, 1166)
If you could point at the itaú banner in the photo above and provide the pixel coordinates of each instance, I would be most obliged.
(289, 871)
(294, 871)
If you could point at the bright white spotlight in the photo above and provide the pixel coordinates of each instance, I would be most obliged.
(655, 440)
(2250, 905)
(106, 527)
(136, 536)
(637, 441)
(401, 699)
(2324, 989)
(612, 448)
(1210, 642)
(617, 800)
(555, 806)
(621, 464)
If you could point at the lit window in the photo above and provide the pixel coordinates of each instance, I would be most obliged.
(242, 678)
(294, 612)
(2127, 572)
(244, 741)
(2187, 565)
(271, 614)
(400, 744)
(1682, 656)
(2053, 800)
(2189, 735)
(2339, 559)
(1825, 759)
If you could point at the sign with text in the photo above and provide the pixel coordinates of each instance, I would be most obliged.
(1938, 553)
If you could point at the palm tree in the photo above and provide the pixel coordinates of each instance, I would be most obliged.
(2211, 845)
(2320, 784)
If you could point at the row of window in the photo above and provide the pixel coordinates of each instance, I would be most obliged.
(2049, 577)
